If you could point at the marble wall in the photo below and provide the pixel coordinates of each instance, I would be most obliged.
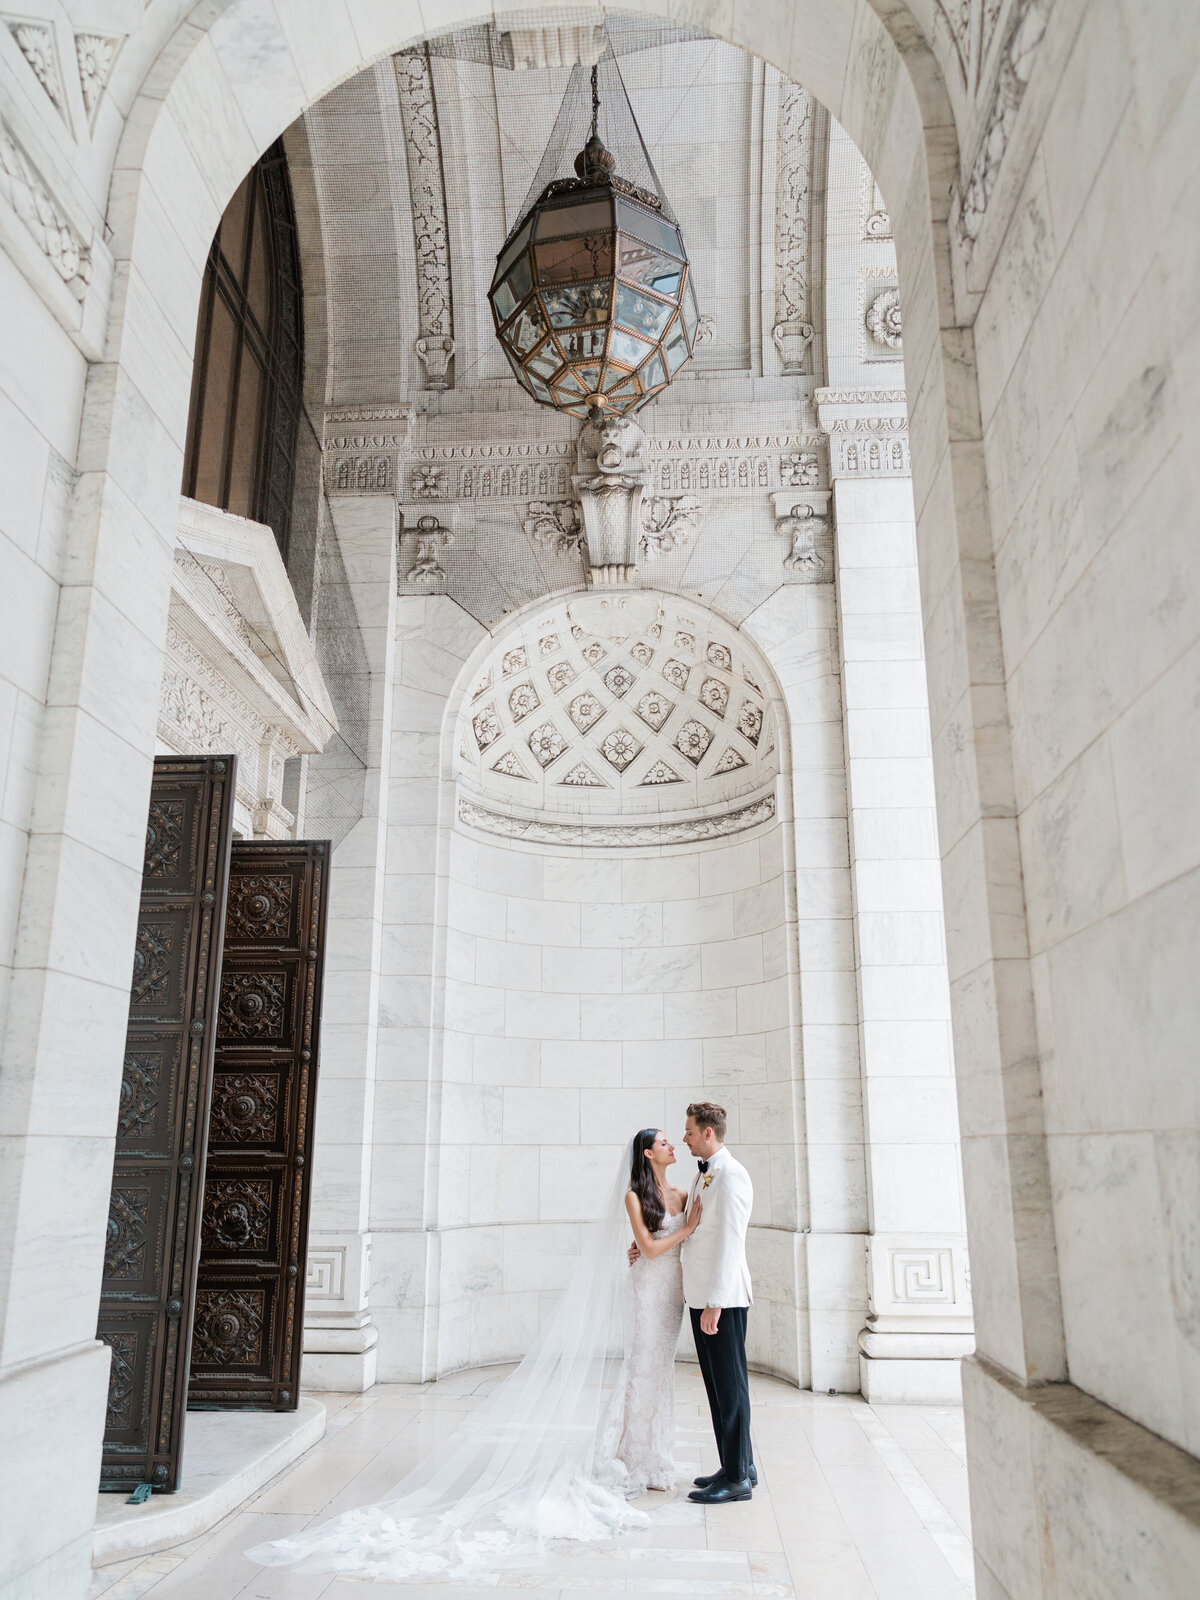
(588, 996)
(1046, 243)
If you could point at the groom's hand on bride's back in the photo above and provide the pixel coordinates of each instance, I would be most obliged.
(634, 1254)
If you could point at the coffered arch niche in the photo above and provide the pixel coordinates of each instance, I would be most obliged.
(616, 944)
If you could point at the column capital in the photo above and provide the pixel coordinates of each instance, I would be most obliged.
(867, 431)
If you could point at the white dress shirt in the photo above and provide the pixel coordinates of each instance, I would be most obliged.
(714, 1257)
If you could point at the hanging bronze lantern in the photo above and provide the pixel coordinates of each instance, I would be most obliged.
(592, 294)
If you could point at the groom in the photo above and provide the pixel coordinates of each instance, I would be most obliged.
(716, 1286)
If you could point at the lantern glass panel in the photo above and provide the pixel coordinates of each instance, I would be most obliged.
(653, 373)
(583, 343)
(617, 382)
(574, 260)
(587, 304)
(650, 229)
(547, 360)
(504, 301)
(626, 348)
(676, 352)
(520, 279)
(648, 268)
(589, 377)
(514, 250)
(570, 382)
(642, 312)
(691, 312)
(526, 328)
(589, 217)
(539, 390)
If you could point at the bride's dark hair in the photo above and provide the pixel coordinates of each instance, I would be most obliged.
(642, 1181)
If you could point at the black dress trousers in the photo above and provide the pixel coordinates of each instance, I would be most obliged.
(723, 1366)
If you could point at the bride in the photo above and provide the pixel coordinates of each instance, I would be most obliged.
(557, 1450)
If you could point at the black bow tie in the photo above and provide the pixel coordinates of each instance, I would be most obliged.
(703, 1165)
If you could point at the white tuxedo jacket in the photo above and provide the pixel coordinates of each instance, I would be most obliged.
(714, 1257)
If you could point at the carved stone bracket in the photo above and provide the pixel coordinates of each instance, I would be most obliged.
(610, 479)
(805, 522)
(427, 537)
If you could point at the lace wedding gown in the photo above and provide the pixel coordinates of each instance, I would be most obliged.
(537, 1460)
(646, 1447)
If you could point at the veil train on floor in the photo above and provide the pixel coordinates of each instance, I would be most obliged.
(534, 1462)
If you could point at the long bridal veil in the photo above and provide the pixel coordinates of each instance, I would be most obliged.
(533, 1463)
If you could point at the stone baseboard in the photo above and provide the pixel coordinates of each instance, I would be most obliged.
(910, 1383)
(338, 1371)
(228, 1455)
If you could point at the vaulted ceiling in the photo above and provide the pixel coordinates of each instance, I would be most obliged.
(412, 173)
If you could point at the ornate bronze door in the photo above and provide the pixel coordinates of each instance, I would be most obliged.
(154, 1212)
(246, 1339)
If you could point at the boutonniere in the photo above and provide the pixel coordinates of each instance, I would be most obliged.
(707, 1179)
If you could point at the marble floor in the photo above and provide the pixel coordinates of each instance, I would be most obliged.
(855, 1502)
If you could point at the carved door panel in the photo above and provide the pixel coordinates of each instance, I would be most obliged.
(246, 1340)
(154, 1210)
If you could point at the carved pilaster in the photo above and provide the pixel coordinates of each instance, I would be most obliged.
(427, 185)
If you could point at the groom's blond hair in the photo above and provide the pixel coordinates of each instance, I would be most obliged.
(707, 1115)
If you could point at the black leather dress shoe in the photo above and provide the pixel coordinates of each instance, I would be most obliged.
(719, 1477)
(721, 1492)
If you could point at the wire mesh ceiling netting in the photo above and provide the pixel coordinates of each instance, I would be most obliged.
(594, 48)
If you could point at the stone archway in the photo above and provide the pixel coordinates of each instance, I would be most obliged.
(243, 77)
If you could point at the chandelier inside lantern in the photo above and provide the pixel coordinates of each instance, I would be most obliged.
(592, 294)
